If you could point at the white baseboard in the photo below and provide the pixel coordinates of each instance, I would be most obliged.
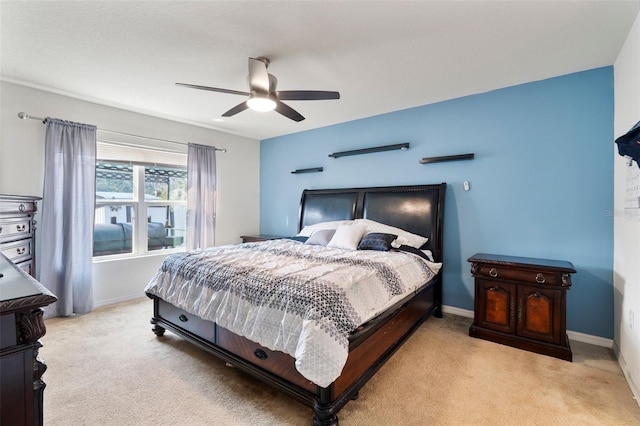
(633, 385)
(591, 339)
(573, 335)
(457, 311)
(118, 300)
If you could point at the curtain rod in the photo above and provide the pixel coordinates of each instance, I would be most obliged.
(25, 116)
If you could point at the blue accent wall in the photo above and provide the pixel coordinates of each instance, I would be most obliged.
(541, 181)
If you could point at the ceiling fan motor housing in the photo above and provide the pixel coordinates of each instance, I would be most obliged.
(273, 83)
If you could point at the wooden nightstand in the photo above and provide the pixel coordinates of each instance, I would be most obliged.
(260, 237)
(521, 302)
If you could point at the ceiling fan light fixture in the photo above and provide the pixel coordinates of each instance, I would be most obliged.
(261, 103)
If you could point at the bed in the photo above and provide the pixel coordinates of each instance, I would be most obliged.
(182, 309)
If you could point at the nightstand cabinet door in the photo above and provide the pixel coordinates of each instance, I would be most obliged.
(496, 307)
(540, 312)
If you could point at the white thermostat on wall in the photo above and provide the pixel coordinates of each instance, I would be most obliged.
(466, 185)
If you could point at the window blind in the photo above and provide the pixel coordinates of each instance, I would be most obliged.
(127, 154)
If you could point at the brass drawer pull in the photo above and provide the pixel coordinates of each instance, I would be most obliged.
(540, 278)
(21, 250)
(21, 228)
(493, 272)
(22, 208)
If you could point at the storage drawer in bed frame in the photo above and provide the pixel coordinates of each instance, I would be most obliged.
(186, 321)
(275, 362)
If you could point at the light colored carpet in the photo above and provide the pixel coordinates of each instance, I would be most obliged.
(108, 368)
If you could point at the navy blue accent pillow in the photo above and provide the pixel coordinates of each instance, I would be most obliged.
(377, 241)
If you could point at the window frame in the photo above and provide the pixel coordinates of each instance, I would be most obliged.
(139, 210)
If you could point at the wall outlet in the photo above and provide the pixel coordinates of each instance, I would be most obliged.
(631, 315)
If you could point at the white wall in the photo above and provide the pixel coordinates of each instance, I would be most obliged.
(627, 233)
(22, 171)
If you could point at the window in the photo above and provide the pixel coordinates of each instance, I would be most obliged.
(141, 200)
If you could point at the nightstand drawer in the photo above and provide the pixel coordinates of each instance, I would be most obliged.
(521, 275)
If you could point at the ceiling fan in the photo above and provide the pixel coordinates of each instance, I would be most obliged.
(263, 95)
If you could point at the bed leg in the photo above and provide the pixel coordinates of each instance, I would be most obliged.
(438, 298)
(438, 312)
(158, 330)
(324, 416)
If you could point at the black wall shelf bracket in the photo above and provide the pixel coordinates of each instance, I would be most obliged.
(310, 170)
(370, 150)
(446, 158)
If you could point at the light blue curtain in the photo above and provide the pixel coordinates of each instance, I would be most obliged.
(67, 215)
(201, 196)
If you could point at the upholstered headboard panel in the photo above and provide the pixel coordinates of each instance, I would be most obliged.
(323, 205)
(417, 208)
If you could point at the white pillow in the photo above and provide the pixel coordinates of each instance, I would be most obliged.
(309, 229)
(321, 237)
(404, 237)
(347, 237)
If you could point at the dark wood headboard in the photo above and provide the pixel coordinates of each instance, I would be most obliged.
(417, 208)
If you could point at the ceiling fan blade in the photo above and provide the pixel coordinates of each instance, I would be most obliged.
(288, 112)
(212, 89)
(306, 95)
(236, 109)
(258, 75)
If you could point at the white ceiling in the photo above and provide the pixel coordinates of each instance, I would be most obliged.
(381, 56)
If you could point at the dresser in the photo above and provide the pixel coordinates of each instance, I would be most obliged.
(521, 302)
(21, 325)
(18, 230)
(259, 237)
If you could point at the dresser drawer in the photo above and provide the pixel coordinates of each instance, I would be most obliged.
(532, 276)
(15, 228)
(27, 266)
(17, 206)
(187, 321)
(17, 250)
(276, 362)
